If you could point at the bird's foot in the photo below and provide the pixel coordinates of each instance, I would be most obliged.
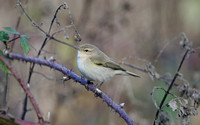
(86, 85)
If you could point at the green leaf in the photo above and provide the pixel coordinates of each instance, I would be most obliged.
(30, 45)
(2, 65)
(24, 45)
(10, 30)
(4, 36)
(25, 36)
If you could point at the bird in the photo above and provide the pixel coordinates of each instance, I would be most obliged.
(96, 66)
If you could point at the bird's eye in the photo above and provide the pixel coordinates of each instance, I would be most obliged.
(86, 50)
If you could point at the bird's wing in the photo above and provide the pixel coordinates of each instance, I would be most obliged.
(114, 66)
(106, 62)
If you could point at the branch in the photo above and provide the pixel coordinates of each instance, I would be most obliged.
(152, 74)
(169, 88)
(41, 48)
(15, 38)
(76, 78)
(54, 17)
(25, 88)
(48, 35)
(45, 40)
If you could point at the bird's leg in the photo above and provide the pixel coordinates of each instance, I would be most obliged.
(99, 85)
(98, 91)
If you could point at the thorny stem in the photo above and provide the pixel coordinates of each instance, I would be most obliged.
(169, 88)
(76, 78)
(26, 89)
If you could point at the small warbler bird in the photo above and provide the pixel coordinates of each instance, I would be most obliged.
(96, 66)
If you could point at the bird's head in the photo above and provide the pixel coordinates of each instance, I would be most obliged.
(88, 50)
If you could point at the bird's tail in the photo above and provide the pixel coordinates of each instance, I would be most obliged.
(132, 74)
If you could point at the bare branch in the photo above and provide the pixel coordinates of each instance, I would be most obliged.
(152, 74)
(54, 17)
(169, 88)
(77, 36)
(48, 36)
(64, 5)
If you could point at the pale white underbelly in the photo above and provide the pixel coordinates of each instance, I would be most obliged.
(94, 72)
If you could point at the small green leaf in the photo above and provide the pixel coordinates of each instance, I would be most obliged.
(2, 65)
(24, 45)
(10, 30)
(4, 36)
(25, 36)
(31, 45)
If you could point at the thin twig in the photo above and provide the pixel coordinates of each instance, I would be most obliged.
(169, 88)
(152, 94)
(44, 43)
(54, 17)
(40, 50)
(72, 23)
(15, 38)
(164, 47)
(47, 35)
(19, 3)
(158, 76)
(60, 41)
(76, 78)
(26, 89)
(63, 29)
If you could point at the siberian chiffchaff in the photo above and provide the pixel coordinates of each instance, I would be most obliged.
(96, 66)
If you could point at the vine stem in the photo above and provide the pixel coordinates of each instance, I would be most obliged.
(25, 88)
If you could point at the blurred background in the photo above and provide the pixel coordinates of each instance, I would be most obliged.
(126, 30)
